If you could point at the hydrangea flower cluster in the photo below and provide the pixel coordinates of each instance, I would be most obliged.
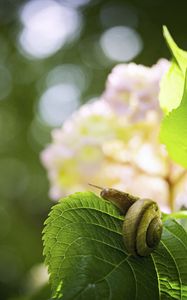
(113, 142)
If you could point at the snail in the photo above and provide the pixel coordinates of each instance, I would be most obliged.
(142, 226)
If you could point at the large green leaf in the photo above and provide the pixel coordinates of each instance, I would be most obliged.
(174, 131)
(171, 88)
(172, 84)
(87, 258)
(173, 101)
(179, 55)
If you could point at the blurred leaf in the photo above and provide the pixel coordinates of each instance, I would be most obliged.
(87, 259)
(179, 55)
(172, 84)
(174, 131)
(171, 88)
(182, 214)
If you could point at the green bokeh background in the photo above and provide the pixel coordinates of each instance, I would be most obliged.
(24, 201)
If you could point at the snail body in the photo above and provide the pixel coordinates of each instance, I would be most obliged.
(142, 226)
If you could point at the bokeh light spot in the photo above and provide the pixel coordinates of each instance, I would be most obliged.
(37, 277)
(121, 43)
(47, 27)
(68, 73)
(58, 103)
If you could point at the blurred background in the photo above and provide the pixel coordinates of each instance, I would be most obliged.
(55, 56)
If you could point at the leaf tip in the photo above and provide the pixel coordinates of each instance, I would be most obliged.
(168, 37)
(165, 31)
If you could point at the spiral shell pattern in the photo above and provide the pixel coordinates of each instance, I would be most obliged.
(142, 227)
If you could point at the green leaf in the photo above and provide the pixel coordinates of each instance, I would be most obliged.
(87, 259)
(171, 88)
(182, 214)
(179, 55)
(173, 131)
(173, 101)
(172, 84)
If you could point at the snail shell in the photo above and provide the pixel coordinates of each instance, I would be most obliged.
(142, 226)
